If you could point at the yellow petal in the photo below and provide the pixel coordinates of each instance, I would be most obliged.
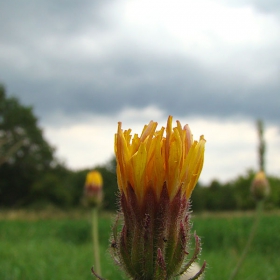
(139, 161)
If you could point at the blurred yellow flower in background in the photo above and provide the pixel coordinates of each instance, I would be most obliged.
(260, 188)
(93, 193)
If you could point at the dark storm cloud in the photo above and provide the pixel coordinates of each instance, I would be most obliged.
(178, 87)
(41, 64)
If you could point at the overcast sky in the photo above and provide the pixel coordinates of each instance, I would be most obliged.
(85, 65)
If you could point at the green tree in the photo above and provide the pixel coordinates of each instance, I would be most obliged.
(273, 199)
(33, 157)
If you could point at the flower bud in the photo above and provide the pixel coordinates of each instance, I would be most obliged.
(93, 194)
(260, 186)
(156, 176)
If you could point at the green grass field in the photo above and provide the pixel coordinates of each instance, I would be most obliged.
(58, 247)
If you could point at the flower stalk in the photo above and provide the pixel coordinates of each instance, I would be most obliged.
(260, 190)
(258, 213)
(93, 195)
(95, 240)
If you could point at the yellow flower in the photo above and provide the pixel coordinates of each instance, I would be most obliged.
(152, 159)
(93, 189)
(157, 172)
(94, 178)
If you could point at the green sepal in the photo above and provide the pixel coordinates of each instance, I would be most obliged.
(160, 267)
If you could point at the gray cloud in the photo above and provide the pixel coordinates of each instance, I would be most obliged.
(41, 63)
(33, 19)
(269, 6)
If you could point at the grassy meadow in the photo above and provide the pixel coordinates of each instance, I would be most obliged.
(54, 245)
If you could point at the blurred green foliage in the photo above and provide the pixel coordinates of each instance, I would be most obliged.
(233, 195)
(61, 248)
(33, 158)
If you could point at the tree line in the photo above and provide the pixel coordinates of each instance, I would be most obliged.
(31, 175)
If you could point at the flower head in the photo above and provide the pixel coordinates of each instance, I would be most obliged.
(157, 172)
(152, 160)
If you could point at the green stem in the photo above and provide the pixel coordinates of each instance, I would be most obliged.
(95, 240)
(258, 213)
